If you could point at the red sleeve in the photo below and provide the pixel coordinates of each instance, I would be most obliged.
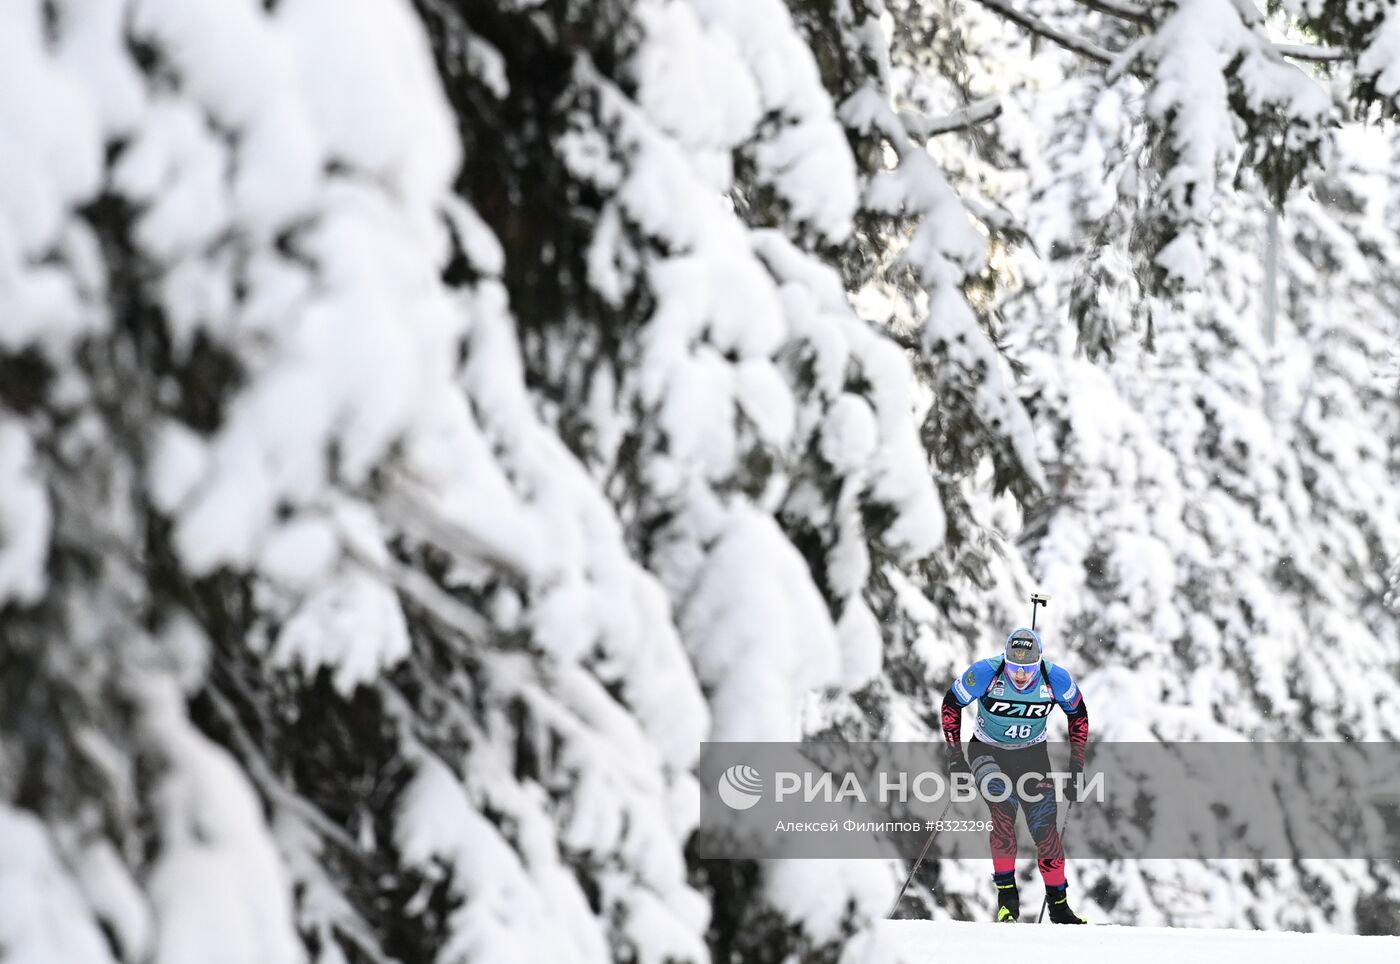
(1079, 734)
(952, 720)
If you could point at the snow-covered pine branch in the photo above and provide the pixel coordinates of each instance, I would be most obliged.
(1313, 52)
(921, 128)
(1120, 8)
(1084, 47)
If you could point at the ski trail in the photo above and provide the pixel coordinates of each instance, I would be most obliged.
(935, 942)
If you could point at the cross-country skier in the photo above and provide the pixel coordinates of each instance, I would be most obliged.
(1015, 694)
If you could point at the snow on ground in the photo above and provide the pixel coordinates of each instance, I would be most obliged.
(927, 942)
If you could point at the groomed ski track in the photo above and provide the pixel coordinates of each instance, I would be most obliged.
(937, 942)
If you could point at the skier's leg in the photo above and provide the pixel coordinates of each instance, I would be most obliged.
(1041, 819)
(1042, 815)
(994, 784)
(1003, 836)
(988, 775)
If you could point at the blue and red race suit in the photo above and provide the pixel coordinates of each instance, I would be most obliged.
(1011, 726)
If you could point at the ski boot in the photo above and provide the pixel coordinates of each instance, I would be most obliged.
(1058, 900)
(1008, 900)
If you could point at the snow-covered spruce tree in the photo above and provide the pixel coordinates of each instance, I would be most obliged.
(320, 644)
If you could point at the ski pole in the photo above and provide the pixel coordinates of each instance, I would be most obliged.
(927, 843)
(1046, 899)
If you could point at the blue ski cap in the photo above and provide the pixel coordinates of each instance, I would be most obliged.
(1023, 648)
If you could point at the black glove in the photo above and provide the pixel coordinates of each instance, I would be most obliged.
(957, 763)
(1072, 786)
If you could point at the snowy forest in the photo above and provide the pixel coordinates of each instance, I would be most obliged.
(424, 422)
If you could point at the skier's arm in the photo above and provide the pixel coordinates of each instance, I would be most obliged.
(966, 688)
(952, 734)
(952, 721)
(1071, 700)
(1078, 734)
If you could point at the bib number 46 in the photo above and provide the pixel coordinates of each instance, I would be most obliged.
(1019, 731)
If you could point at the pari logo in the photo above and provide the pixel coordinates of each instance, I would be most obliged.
(740, 787)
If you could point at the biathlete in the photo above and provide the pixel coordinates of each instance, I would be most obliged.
(1015, 693)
